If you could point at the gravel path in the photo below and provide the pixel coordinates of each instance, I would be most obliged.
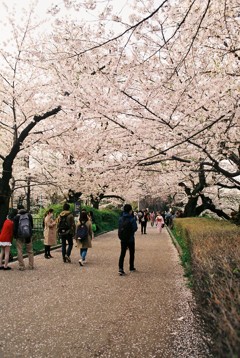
(64, 310)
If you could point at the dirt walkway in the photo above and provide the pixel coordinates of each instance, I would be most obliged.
(62, 310)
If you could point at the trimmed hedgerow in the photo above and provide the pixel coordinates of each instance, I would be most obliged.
(214, 248)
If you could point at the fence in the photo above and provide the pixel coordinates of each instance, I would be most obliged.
(37, 228)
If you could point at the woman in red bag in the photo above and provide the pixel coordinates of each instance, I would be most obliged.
(6, 237)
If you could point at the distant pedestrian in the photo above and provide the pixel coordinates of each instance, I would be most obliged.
(152, 218)
(144, 220)
(86, 243)
(140, 215)
(6, 238)
(171, 219)
(159, 222)
(50, 233)
(168, 217)
(23, 226)
(126, 230)
(66, 231)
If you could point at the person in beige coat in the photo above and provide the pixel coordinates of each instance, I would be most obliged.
(50, 233)
(86, 244)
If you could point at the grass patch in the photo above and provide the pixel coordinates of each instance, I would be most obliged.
(185, 256)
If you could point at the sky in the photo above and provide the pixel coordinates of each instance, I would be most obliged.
(120, 8)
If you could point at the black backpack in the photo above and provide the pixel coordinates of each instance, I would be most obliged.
(63, 226)
(82, 232)
(24, 227)
(125, 229)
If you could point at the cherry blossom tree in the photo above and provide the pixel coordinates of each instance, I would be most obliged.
(162, 72)
(24, 103)
(148, 100)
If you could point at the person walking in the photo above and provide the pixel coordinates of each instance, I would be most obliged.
(50, 234)
(23, 226)
(152, 218)
(144, 221)
(66, 231)
(6, 237)
(126, 230)
(85, 242)
(159, 222)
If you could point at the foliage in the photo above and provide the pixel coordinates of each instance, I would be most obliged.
(185, 254)
(153, 93)
(214, 248)
(57, 209)
(105, 219)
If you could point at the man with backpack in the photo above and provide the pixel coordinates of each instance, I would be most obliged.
(126, 230)
(23, 226)
(66, 231)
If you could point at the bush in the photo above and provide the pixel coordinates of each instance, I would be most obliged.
(105, 220)
(214, 248)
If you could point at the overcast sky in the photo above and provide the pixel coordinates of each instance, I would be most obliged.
(120, 8)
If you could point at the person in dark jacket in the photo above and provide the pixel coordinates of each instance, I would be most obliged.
(23, 241)
(127, 240)
(67, 238)
(144, 220)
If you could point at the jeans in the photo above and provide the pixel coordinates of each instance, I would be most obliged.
(83, 254)
(67, 250)
(124, 246)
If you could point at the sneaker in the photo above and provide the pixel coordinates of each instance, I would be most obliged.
(1, 267)
(121, 273)
(64, 259)
(133, 270)
(68, 259)
(46, 257)
(80, 262)
(21, 268)
(7, 268)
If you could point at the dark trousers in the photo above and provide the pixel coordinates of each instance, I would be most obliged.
(47, 250)
(124, 246)
(143, 227)
(67, 240)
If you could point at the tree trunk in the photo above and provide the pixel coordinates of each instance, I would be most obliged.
(7, 166)
(95, 204)
(28, 194)
(207, 204)
(5, 194)
(190, 207)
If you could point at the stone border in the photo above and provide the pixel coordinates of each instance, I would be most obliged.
(176, 244)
